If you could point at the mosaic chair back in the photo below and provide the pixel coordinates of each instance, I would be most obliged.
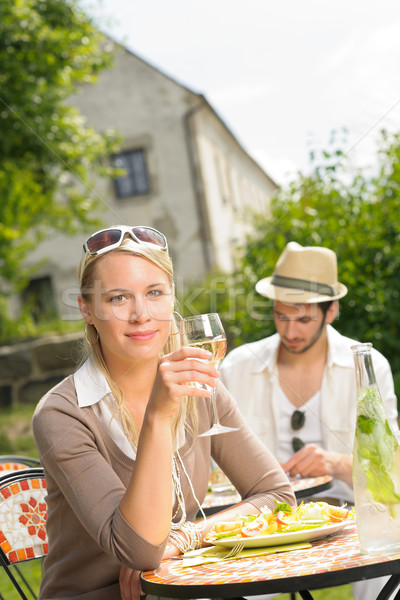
(23, 514)
(15, 462)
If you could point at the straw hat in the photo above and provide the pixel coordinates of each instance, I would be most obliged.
(303, 275)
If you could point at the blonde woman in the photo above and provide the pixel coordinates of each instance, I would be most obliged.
(126, 473)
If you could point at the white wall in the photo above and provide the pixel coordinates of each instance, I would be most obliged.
(233, 185)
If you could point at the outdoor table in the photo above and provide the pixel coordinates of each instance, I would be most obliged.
(302, 487)
(331, 561)
(308, 486)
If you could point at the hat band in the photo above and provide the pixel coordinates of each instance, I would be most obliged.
(307, 286)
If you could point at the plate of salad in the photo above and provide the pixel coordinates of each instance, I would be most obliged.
(284, 525)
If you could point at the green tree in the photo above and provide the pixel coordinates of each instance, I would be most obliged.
(353, 213)
(48, 154)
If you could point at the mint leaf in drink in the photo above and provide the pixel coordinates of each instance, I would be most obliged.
(365, 424)
(376, 446)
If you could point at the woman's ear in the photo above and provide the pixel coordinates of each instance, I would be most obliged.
(85, 310)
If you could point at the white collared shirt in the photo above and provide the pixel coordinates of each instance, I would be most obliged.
(310, 432)
(92, 389)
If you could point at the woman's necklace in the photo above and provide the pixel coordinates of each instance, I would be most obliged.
(176, 480)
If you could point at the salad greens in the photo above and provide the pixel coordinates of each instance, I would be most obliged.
(376, 447)
(282, 506)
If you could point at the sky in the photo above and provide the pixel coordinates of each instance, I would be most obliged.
(282, 75)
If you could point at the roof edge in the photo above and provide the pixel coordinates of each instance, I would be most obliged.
(152, 65)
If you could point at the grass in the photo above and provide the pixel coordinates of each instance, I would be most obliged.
(31, 570)
(16, 431)
(16, 438)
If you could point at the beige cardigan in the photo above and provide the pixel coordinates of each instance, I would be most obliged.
(87, 473)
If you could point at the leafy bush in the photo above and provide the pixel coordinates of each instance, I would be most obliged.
(25, 326)
(49, 155)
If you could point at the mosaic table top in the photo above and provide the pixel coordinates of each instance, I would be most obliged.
(278, 572)
(308, 485)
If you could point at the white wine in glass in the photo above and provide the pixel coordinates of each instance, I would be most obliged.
(206, 332)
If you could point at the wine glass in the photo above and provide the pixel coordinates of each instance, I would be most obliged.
(206, 331)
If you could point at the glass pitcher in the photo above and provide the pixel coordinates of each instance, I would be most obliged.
(376, 464)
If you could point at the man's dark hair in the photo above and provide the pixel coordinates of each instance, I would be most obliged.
(325, 306)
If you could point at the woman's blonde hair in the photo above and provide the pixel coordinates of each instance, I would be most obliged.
(187, 416)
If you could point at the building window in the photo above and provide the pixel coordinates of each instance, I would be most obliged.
(135, 182)
(224, 179)
(39, 298)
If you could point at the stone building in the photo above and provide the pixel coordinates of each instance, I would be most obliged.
(186, 175)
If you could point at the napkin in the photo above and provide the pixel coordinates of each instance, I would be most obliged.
(215, 553)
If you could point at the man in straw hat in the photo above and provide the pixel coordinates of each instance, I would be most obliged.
(297, 388)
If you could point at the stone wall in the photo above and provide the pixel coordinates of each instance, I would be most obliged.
(28, 370)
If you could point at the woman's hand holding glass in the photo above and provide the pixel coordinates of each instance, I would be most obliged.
(175, 376)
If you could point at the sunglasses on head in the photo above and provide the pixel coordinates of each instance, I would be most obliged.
(297, 422)
(110, 238)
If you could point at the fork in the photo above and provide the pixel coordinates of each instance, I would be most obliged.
(238, 547)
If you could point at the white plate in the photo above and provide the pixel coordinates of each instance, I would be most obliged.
(279, 539)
